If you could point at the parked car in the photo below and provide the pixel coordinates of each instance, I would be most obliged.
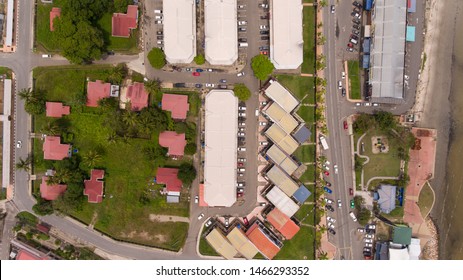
(242, 40)
(369, 245)
(263, 143)
(227, 221)
(352, 204)
(196, 74)
(242, 22)
(370, 236)
(361, 230)
(200, 216)
(198, 85)
(242, 124)
(343, 92)
(328, 201)
(241, 149)
(351, 191)
(352, 215)
(263, 48)
(357, 4)
(242, 29)
(240, 164)
(245, 221)
(242, 108)
(264, 32)
(327, 190)
(196, 199)
(333, 9)
(339, 203)
(343, 75)
(331, 225)
(241, 159)
(339, 84)
(350, 49)
(264, 38)
(263, 27)
(264, 17)
(345, 124)
(264, 52)
(329, 207)
(199, 70)
(263, 103)
(326, 173)
(210, 85)
(355, 26)
(241, 134)
(356, 20)
(240, 190)
(355, 31)
(223, 81)
(262, 123)
(240, 74)
(355, 37)
(332, 231)
(208, 223)
(331, 219)
(241, 114)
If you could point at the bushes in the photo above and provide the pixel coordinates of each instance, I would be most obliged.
(262, 66)
(242, 92)
(157, 58)
(199, 59)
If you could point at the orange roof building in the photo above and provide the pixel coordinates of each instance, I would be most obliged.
(137, 96)
(268, 244)
(24, 255)
(177, 104)
(94, 187)
(282, 223)
(55, 12)
(175, 143)
(97, 90)
(57, 109)
(51, 192)
(122, 24)
(54, 150)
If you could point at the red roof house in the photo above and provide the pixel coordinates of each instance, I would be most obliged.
(57, 109)
(262, 242)
(97, 90)
(53, 149)
(175, 143)
(137, 96)
(26, 255)
(55, 12)
(282, 223)
(51, 192)
(123, 23)
(177, 104)
(169, 177)
(94, 186)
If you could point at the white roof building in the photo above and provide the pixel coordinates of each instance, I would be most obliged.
(281, 201)
(7, 87)
(179, 30)
(221, 33)
(221, 126)
(9, 23)
(286, 42)
(280, 95)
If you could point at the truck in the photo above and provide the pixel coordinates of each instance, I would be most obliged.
(324, 143)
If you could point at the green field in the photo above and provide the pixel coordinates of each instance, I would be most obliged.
(305, 153)
(118, 44)
(302, 88)
(44, 37)
(128, 173)
(354, 79)
(6, 71)
(307, 113)
(308, 64)
(309, 174)
(426, 199)
(300, 247)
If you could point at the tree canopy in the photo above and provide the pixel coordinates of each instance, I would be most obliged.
(262, 66)
(242, 92)
(190, 148)
(199, 59)
(157, 58)
(34, 101)
(186, 173)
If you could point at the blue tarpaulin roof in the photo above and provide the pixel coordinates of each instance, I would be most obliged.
(302, 194)
(366, 61)
(368, 5)
(410, 33)
(366, 46)
(411, 6)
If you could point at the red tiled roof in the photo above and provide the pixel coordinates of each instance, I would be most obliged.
(97, 90)
(282, 223)
(55, 12)
(94, 186)
(177, 104)
(262, 242)
(168, 176)
(57, 110)
(53, 149)
(24, 255)
(51, 192)
(123, 23)
(175, 143)
(137, 96)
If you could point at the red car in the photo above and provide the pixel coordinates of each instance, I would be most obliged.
(196, 74)
(246, 222)
(239, 195)
(350, 45)
(345, 125)
(351, 191)
(326, 173)
(240, 164)
(264, 52)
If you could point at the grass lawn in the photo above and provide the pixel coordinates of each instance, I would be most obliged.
(128, 174)
(306, 214)
(125, 45)
(300, 247)
(307, 113)
(354, 79)
(6, 71)
(302, 88)
(425, 199)
(382, 164)
(308, 24)
(309, 174)
(44, 37)
(305, 153)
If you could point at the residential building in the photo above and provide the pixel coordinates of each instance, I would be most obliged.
(97, 90)
(221, 245)
(94, 187)
(54, 150)
(265, 241)
(51, 192)
(176, 104)
(242, 244)
(136, 95)
(122, 24)
(173, 185)
(386, 196)
(57, 109)
(175, 143)
(282, 223)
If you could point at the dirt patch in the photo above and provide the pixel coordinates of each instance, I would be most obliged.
(162, 238)
(379, 144)
(167, 218)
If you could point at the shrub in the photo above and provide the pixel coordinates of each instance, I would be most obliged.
(157, 58)
(199, 59)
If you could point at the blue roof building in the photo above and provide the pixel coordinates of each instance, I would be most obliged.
(302, 194)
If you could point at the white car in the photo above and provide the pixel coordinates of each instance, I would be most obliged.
(343, 75)
(262, 123)
(368, 245)
(369, 235)
(263, 143)
(358, 104)
(210, 85)
(371, 226)
(263, 103)
(241, 160)
(201, 216)
(375, 104)
(209, 70)
(242, 124)
(361, 230)
(241, 114)
(262, 27)
(240, 184)
(330, 225)
(257, 112)
(368, 240)
(242, 22)
(241, 149)
(327, 162)
(327, 200)
(331, 219)
(241, 134)
(352, 215)
(339, 84)
(19, 144)
(326, 167)
(208, 223)
(196, 199)
(242, 108)
(367, 104)
(335, 169)
(265, 6)
(240, 74)
(339, 203)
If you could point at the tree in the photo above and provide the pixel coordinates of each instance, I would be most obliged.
(385, 120)
(152, 153)
(50, 128)
(90, 10)
(363, 123)
(120, 6)
(242, 92)
(364, 216)
(186, 173)
(42, 207)
(157, 58)
(25, 93)
(153, 86)
(129, 118)
(92, 158)
(199, 59)
(72, 199)
(117, 74)
(34, 101)
(24, 164)
(190, 148)
(262, 66)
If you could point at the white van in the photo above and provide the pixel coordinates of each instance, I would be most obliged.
(46, 55)
(158, 11)
(242, 45)
(158, 17)
(241, 169)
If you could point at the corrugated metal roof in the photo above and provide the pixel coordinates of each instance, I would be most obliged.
(220, 244)
(282, 96)
(282, 223)
(278, 198)
(283, 181)
(285, 141)
(283, 118)
(280, 158)
(242, 244)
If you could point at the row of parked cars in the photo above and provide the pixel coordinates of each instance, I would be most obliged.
(356, 20)
(241, 142)
(369, 237)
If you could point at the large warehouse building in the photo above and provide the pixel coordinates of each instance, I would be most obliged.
(387, 56)
(221, 126)
(179, 30)
(221, 33)
(286, 42)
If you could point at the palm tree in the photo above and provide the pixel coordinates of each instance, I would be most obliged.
(24, 164)
(26, 94)
(112, 138)
(50, 128)
(146, 126)
(153, 86)
(322, 255)
(92, 158)
(62, 175)
(129, 118)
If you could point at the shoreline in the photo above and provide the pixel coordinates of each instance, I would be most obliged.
(432, 104)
